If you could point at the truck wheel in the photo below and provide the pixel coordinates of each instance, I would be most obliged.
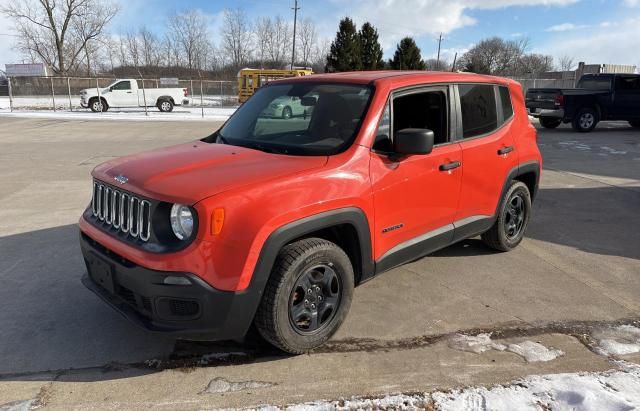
(307, 297)
(513, 217)
(287, 113)
(634, 124)
(550, 122)
(585, 120)
(166, 106)
(98, 105)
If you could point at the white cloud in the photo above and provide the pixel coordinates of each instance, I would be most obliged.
(632, 3)
(566, 27)
(601, 46)
(398, 18)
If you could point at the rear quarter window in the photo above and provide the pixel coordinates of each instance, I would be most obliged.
(479, 109)
(505, 102)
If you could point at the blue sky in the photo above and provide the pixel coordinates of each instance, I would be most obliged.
(595, 31)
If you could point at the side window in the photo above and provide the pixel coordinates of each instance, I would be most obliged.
(478, 105)
(422, 110)
(627, 83)
(123, 85)
(505, 100)
(382, 141)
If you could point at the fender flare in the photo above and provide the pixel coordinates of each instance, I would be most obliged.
(297, 229)
(520, 169)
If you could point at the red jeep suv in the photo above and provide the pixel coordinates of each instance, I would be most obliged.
(274, 221)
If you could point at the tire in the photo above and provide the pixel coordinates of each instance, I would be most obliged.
(550, 122)
(166, 106)
(635, 124)
(285, 315)
(500, 237)
(585, 120)
(97, 105)
(287, 113)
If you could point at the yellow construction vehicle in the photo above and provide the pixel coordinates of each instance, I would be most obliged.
(249, 80)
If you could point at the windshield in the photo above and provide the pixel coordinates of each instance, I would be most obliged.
(299, 119)
(595, 83)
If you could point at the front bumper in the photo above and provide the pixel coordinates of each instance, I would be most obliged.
(542, 112)
(196, 311)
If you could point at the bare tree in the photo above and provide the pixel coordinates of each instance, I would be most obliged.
(58, 31)
(189, 31)
(279, 41)
(262, 32)
(236, 37)
(495, 56)
(566, 63)
(307, 36)
(149, 47)
(133, 48)
(534, 64)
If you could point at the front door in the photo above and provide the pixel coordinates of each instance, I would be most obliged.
(626, 105)
(122, 95)
(415, 197)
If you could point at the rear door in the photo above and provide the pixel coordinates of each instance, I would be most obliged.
(415, 197)
(626, 103)
(488, 151)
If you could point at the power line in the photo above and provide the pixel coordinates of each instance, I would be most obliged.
(295, 21)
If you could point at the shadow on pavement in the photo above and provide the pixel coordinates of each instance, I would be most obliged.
(49, 321)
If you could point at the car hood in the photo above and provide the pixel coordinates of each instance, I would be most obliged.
(191, 172)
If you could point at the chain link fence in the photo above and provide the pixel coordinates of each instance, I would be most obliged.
(63, 93)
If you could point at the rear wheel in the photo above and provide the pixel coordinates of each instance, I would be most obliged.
(166, 106)
(307, 297)
(513, 217)
(550, 122)
(585, 120)
(635, 124)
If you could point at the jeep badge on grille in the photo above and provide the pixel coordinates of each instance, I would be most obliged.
(121, 179)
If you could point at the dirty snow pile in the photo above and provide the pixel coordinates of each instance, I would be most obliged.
(611, 391)
(529, 350)
(621, 340)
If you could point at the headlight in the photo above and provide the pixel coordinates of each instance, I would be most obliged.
(181, 221)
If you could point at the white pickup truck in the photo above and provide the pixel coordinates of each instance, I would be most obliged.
(125, 93)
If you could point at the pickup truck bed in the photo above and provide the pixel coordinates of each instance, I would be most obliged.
(613, 99)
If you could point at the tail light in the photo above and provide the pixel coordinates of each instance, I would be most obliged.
(559, 100)
(186, 92)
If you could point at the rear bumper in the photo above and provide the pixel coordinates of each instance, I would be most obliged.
(196, 311)
(542, 112)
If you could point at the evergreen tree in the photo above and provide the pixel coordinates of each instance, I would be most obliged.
(345, 49)
(407, 56)
(370, 49)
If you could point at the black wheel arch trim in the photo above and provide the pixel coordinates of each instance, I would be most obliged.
(298, 229)
(520, 169)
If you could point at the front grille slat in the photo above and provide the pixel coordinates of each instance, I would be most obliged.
(122, 211)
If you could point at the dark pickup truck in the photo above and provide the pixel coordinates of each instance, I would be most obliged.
(598, 97)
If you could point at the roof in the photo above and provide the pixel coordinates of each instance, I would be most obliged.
(400, 78)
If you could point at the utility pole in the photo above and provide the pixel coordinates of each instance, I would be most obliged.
(295, 21)
(438, 60)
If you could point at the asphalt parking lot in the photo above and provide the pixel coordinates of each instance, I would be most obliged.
(579, 264)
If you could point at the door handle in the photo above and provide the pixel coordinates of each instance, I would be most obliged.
(450, 166)
(505, 150)
(129, 92)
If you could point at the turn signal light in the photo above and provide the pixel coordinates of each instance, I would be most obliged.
(217, 221)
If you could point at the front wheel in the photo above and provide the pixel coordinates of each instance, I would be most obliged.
(550, 122)
(98, 105)
(307, 297)
(287, 113)
(585, 120)
(513, 217)
(166, 106)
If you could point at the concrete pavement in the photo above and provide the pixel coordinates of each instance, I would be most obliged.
(580, 262)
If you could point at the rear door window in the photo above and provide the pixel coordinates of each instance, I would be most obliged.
(479, 109)
(505, 101)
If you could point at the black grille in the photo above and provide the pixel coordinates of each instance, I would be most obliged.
(184, 308)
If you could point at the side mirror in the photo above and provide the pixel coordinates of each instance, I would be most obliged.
(413, 141)
(308, 101)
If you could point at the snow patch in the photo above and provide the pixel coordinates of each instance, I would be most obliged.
(390, 402)
(220, 385)
(621, 340)
(612, 391)
(25, 405)
(529, 350)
